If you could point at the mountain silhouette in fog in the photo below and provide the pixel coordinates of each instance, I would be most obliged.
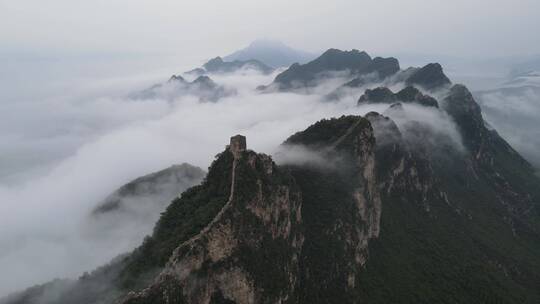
(271, 52)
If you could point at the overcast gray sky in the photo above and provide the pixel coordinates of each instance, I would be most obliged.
(205, 28)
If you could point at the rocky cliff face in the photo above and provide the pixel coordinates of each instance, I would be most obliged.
(341, 207)
(264, 245)
(249, 252)
(442, 209)
(401, 168)
(289, 234)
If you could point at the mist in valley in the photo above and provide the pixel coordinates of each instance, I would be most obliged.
(73, 129)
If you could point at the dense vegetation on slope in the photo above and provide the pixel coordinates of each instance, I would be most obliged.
(460, 251)
(471, 243)
(324, 132)
(458, 241)
(185, 217)
(335, 223)
(250, 250)
(325, 200)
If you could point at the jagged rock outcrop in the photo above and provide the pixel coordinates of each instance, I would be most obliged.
(460, 104)
(406, 95)
(341, 207)
(402, 166)
(351, 219)
(249, 252)
(440, 205)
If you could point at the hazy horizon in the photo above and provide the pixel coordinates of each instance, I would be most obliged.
(457, 28)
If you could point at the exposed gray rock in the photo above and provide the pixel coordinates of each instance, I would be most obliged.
(227, 260)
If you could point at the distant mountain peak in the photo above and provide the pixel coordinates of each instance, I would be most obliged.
(204, 79)
(407, 95)
(157, 188)
(271, 52)
(218, 65)
(202, 87)
(430, 77)
(354, 62)
(267, 43)
(354, 54)
(337, 52)
(177, 78)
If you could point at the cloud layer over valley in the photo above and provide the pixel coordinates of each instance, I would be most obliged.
(63, 156)
(108, 141)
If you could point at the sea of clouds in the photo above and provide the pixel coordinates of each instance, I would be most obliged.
(65, 155)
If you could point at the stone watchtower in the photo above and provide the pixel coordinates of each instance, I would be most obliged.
(238, 145)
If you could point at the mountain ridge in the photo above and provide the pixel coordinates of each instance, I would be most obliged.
(332, 61)
(273, 53)
(395, 212)
(153, 183)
